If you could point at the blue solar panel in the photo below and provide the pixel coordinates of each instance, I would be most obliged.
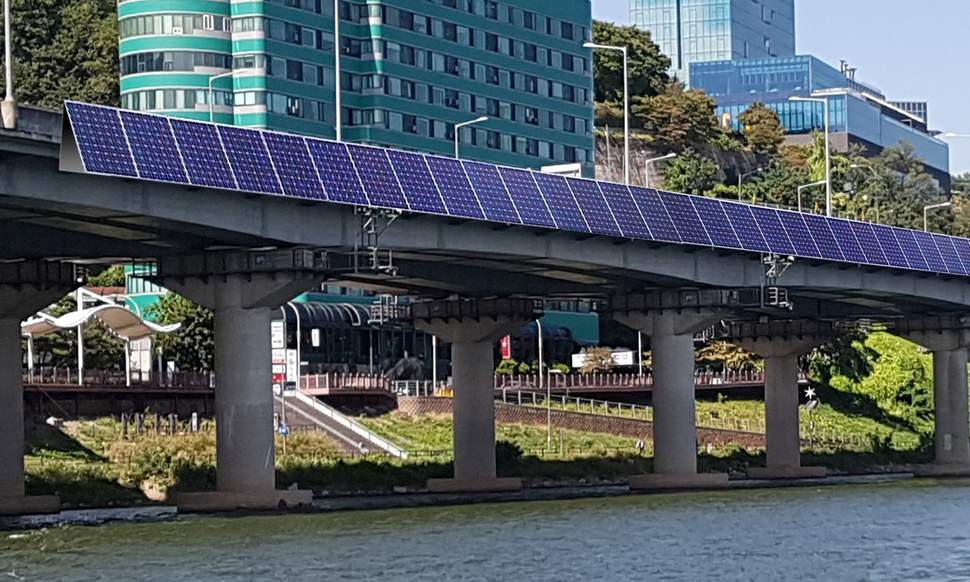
(561, 202)
(377, 177)
(950, 257)
(415, 178)
(598, 215)
(823, 237)
(932, 254)
(337, 172)
(907, 243)
(291, 158)
(798, 234)
(962, 247)
(491, 191)
(153, 147)
(685, 219)
(455, 189)
(527, 198)
(249, 160)
(870, 245)
(749, 234)
(625, 211)
(654, 213)
(890, 246)
(775, 234)
(101, 140)
(203, 154)
(846, 240)
(716, 222)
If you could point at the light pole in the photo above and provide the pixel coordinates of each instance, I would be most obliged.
(458, 127)
(626, 102)
(828, 152)
(926, 210)
(338, 105)
(646, 165)
(211, 79)
(9, 105)
(743, 175)
(547, 387)
(805, 187)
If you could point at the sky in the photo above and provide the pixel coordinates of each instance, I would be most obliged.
(910, 50)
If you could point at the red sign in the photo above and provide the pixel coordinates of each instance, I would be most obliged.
(506, 345)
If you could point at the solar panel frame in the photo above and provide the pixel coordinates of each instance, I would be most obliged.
(295, 169)
(962, 247)
(774, 232)
(869, 243)
(105, 135)
(249, 160)
(153, 148)
(494, 197)
(914, 256)
(934, 259)
(950, 256)
(716, 222)
(799, 235)
(205, 157)
(337, 172)
(654, 214)
(684, 216)
(377, 177)
(823, 236)
(529, 201)
(421, 192)
(561, 202)
(848, 242)
(460, 196)
(625, 211)
(745, 227)
(592, 204)
(890, 246)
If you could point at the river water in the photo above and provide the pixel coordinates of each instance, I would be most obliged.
(915, 530)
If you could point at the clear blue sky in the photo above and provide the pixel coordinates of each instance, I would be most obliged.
(910, 50)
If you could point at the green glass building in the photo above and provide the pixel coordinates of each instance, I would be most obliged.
(411, 70)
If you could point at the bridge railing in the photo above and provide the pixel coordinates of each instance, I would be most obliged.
(625, 382)
(341, 382)
(68, 376)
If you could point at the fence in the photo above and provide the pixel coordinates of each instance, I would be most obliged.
(68, 376)
(626, 382)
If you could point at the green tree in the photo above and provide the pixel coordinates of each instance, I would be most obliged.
(113, 276)
(678, 118)
(763, 130)
(691, 173)
(648, 65)
(721, 355)
(778, 184)
(65, 50)
(192, 347)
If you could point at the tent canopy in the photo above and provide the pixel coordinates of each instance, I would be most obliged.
(120, 320)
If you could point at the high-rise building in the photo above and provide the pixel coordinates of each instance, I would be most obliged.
(411, 70)
(695, 31)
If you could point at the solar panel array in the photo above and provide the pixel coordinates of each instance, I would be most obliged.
(151, 147)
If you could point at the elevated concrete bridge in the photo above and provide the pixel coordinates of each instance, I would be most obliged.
(244, 254)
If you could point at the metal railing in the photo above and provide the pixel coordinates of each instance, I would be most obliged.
(68, 376)
(624, 382)
(340, 382)
(351, 425)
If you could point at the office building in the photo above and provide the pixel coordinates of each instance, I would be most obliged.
(860, 115)
(695, 31)
(411, 70)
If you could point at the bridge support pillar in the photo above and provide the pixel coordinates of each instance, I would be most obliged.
(25, 288)
(781, 408)
(472, 340)
(674, 416)
(951, 442)
(245, 443)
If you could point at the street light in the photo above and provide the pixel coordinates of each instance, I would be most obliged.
(338, 121)
(805, 187)
(458, 127)
(743, 175)
(926, 210)
(646, 165)
(211, 79)
(828, 153)
(626, 102)
(8, 108)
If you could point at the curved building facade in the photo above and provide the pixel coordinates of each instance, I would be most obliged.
(169, 51)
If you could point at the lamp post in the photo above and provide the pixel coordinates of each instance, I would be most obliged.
(338, 101)
(544, 384)
(458, 127)
(828, 152)
(805, 187)
(211, 79)
(646, 165)
(626, 102)
(8, 108)
(926, 210)
(743, 175)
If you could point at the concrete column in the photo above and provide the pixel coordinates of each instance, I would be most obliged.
(952, 438)
(11, 411)
(674, 413)
(474, 411)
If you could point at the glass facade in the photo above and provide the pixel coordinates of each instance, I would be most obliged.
(856, 109)
(694, 31)
(410, 71)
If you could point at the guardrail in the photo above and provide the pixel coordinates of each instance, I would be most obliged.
(67, 376)
(351, 425)
(624, 382)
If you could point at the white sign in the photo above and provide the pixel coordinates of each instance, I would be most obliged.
(292, 366)
(279, 356)
(278, 334)
(315, 337)
(625, 358)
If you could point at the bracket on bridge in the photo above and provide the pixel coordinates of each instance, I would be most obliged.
(681, 299)
(476, 309)
(775, 266)
(373, 223)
